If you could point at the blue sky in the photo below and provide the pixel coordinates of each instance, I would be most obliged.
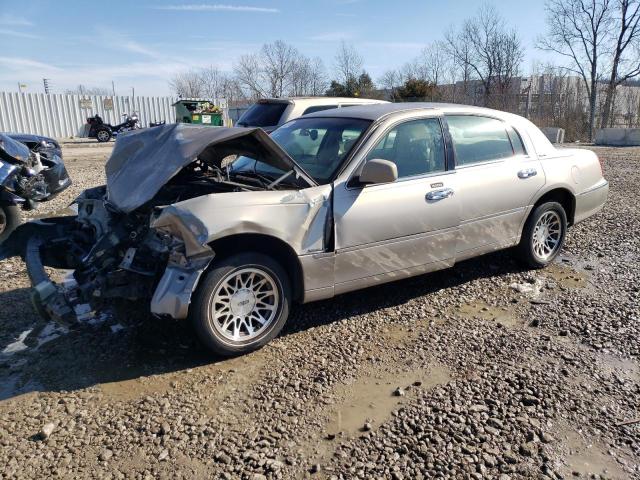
(141, 43)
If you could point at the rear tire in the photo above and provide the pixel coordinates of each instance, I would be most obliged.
(543, 235)
(10, 219)
(103, 135)
(241, 304)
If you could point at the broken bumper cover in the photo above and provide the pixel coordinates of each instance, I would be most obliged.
(171, 298)
(175, 289)
(48, 298)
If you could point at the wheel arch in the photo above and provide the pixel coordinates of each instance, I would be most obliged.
(267, 245)
(564, 197)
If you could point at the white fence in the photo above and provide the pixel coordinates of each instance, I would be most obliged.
(62, 115)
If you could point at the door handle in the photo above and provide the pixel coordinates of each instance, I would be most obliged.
(440, 194)
(527, 172)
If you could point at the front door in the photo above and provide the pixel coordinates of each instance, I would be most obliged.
(398, 229)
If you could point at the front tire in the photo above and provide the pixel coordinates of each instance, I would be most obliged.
(241, 304)
(9, 220)
(543, 235)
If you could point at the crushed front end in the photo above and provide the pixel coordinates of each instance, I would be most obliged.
(146, 235)
(113, 255)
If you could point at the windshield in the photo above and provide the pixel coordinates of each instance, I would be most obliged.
(318, 145)
(262, 115)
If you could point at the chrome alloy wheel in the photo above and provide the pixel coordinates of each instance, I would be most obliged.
(547, 234)
(244, 304)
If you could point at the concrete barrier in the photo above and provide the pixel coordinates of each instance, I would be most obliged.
(620, 137)
(554, 134)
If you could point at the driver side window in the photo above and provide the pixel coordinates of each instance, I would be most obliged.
(416, 147)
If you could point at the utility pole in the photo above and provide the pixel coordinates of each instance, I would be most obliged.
(45, 82)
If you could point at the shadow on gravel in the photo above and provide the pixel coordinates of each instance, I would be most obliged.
(399, 292)
(96, 354)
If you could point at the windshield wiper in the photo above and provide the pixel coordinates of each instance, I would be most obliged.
(264, 179)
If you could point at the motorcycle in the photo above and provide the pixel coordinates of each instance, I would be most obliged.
(26, 178)
(104, 131)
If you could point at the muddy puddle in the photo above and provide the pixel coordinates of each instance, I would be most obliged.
(566, 277)
(482, 310)
(369, 402)
(587, 457)
(624, 369)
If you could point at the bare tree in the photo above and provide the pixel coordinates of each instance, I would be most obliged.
(433, 61)
(390, 81)
(187, 84)
(279, 64)
(84, 90)
(213, 82)
(249, 74)
(578, 30)
(348, 63)
(279, 70)
(625, 64)
(309, 77)
(487, 49)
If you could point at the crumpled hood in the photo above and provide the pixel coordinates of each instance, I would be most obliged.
(143, 161)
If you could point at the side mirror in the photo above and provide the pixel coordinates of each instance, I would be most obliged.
(378, 171)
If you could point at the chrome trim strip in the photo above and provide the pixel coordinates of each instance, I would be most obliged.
(597, 186)
(493, 215)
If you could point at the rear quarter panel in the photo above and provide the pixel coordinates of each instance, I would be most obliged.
(577, 170)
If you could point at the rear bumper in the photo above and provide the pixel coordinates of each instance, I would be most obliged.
(591, 201)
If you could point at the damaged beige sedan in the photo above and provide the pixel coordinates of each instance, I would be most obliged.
(230, 226)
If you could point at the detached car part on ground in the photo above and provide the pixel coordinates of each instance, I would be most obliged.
(229, 226)
(31, 171)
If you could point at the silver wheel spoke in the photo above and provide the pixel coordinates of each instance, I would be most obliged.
(546, 235)
(244, 305)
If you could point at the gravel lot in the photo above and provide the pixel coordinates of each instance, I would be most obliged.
(481, 371)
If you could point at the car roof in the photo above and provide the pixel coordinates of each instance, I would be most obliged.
(308, 101)
(379, 110)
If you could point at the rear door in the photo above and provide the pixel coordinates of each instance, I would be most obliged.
(497, 180)
(402, 228)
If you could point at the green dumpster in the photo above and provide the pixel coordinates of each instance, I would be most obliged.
(198, 111)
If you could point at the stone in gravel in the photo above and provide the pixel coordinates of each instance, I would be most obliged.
(510, 458)
(546, 437)
(367, 427)
(478, 408)
(529, 401)
(223, 458)
(528, 449)
(165, 428)
(258, 476)
(164, 454)
(315, 468)
(46, 431)
(399, 392)
(331, 436)
(105, 455)
(494, 422)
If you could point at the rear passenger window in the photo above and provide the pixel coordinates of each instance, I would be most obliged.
(319, 108)
(516, 141)
(416, 147)
(478, 139)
